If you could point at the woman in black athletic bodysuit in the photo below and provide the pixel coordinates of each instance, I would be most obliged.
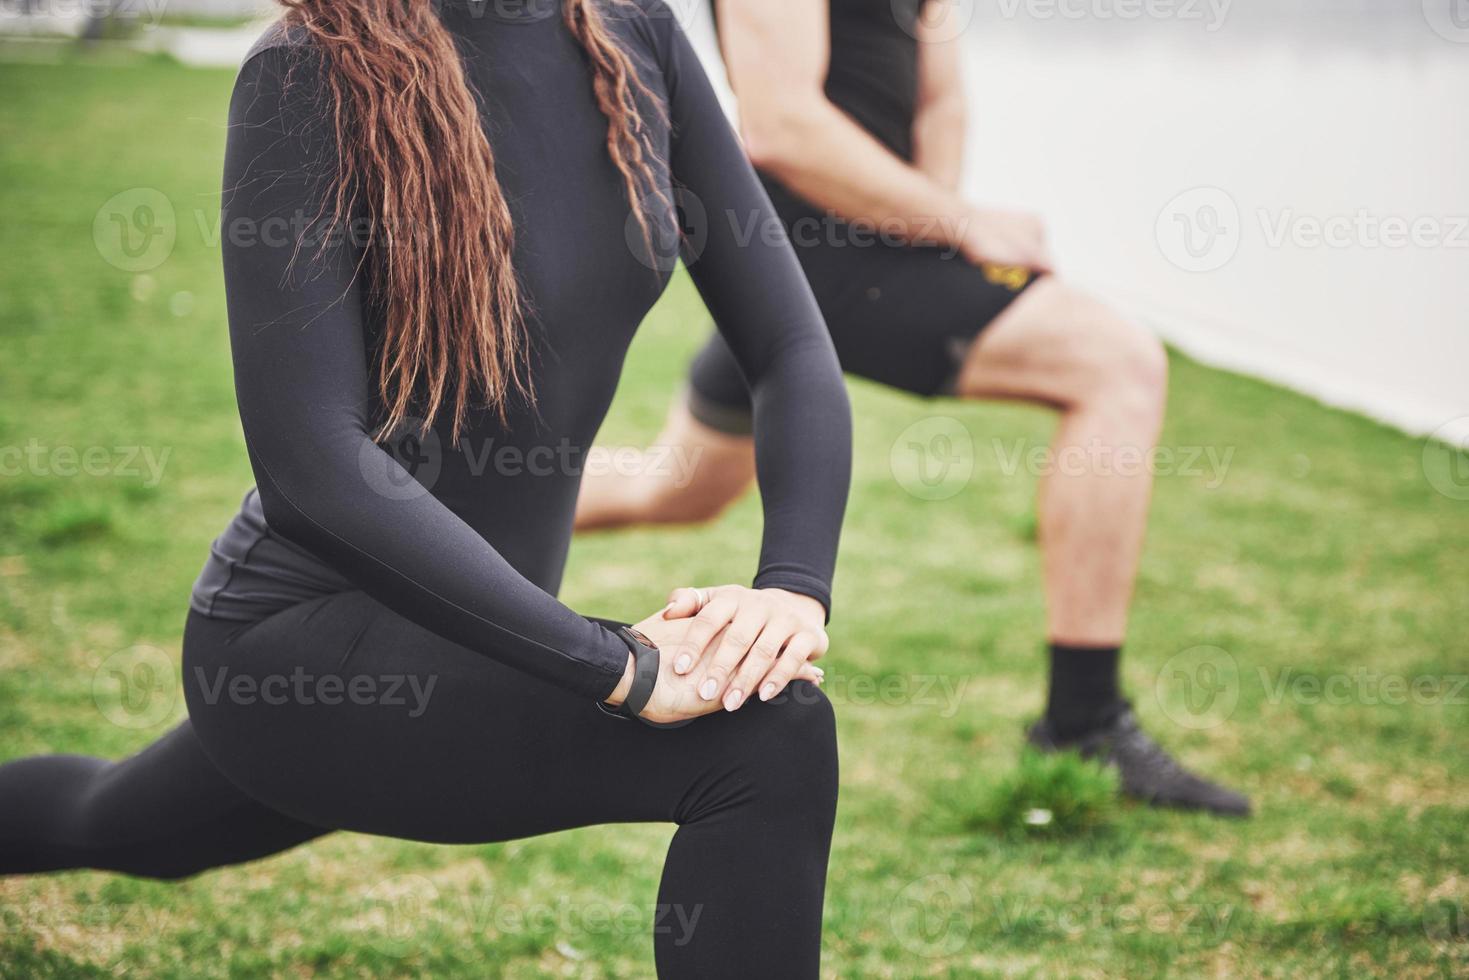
(425, 560)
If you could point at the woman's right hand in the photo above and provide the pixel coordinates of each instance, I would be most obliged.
(676, 697)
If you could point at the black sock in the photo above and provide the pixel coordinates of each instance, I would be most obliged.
(1083, 694)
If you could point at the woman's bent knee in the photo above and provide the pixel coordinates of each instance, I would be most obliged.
(788, 750)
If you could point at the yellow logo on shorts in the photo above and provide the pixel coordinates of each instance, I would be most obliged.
(1012, 277)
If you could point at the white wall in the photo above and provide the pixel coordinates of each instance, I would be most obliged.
(1105, 139)
(1275, 118)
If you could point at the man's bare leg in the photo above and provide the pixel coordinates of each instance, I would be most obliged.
(720, 469)
(1109, 380)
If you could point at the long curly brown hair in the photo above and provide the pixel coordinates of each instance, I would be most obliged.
(413, 161)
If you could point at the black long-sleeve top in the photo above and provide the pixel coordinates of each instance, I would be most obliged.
(469, 539)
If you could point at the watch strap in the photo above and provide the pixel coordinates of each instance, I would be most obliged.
(645, 671)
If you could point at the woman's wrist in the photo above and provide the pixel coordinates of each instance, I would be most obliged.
(808, 607)
(619, 693)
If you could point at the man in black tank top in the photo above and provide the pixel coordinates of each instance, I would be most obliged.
(853, 112)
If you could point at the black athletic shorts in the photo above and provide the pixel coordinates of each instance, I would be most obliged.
(900, 315)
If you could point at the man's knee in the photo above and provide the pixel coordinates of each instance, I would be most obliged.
(700, 497)
(1145, 362)
(1122, 365)
(703, 472)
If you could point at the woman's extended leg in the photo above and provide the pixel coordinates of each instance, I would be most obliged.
(342, 714)
(166, 812)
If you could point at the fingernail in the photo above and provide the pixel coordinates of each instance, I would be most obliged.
(732, 700)
(681, 666)
(708, 689)
(664, 611)
(819, 671)
(767, 692)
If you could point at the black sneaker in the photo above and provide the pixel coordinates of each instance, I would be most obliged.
(1148, 772)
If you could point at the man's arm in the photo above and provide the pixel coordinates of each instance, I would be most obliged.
(777, 52)
(938, 128)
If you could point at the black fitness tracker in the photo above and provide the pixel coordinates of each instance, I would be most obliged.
(646, 656)
(645, 671)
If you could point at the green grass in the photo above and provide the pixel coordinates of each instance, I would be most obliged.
(1322, 552)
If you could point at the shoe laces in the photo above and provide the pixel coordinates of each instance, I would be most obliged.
(1139, 746)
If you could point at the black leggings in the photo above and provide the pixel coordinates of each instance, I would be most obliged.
(337, 714)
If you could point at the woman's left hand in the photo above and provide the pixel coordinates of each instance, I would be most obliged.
(768, 634)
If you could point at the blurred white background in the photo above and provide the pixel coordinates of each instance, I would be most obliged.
(1280, 187)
